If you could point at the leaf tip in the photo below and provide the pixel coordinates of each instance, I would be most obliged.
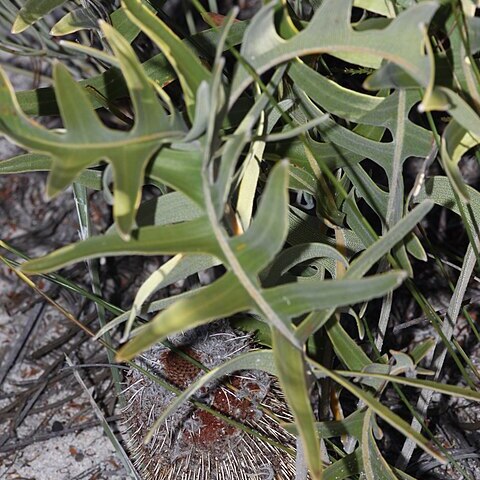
(123, 221)
(52, 191)
(119, 358)
(124, 235)
(125, 353)
(19, 25)
(402, 276)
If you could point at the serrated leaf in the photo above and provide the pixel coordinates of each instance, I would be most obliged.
(346, 148)
(331, 96)
(110, 84)
(254, 250)
(408, 138)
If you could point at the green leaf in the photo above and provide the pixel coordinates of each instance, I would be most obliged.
(36, 162)
(87, 141)
(124, 25)
(173, 207)
(252, 250)
(456, 141)
(334, 98)
(359, 267)
(384, 244)
(152, 284)
(295, 299)
(439, 190)
(421, 350)
(382, 411)
(111, 85)
(462, 112)
(221, 299)
(374, 464)
(32, 11)
(305, 228)
(238, 140)
(179, 169)
(382, 7)
(345, 468)
(297, 254)
(263, 48)
(188, 67)
(292, 375)
(392, 112)
(187, 237)
(445, 389)
(346, 148)
(80, 19)
(152, 307)
(257, 247)
(347, 349)
(351, 425)
(226, 296)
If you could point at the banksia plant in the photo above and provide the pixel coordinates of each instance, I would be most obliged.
(260, 136)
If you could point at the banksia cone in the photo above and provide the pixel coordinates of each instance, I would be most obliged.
(194, 443)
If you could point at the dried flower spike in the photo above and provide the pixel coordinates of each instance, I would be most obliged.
(194, 443)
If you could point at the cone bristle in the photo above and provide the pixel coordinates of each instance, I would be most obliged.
(194, 444)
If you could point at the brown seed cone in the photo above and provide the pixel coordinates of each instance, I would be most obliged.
(194, 444)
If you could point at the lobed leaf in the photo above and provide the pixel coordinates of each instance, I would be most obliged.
(87, 141)
(263, 48)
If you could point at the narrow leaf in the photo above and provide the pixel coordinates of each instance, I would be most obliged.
(188, 237)
(218, 300)
(292, 375)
